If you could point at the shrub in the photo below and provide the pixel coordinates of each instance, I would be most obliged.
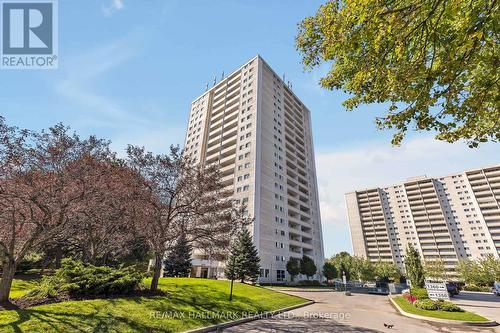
(426, 304)
(419, 293)
(47, 286)
(449, 306)
(473, 287)
(309, 283)
(77, 278)
(33, 260)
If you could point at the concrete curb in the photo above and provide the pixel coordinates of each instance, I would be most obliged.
(489, 323)
(216, 328)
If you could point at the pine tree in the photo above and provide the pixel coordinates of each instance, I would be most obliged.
(307, 267)
(243, 262)
(293, 267)
(178, 261)
(414, 268)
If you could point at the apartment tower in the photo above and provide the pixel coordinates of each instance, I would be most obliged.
(258, 132)
(452, 218)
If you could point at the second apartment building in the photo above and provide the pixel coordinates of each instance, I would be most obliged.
(452, 218)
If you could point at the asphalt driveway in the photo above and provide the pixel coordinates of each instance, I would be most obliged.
(485, 304)
(334, 312)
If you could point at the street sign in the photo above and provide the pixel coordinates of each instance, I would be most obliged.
(437, 290)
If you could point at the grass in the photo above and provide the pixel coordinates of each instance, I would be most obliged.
(463, 316)
(21, 287)
(193, 303)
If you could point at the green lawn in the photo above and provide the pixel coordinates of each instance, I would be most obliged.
(21, 287)
(193, 303)
(464, 316)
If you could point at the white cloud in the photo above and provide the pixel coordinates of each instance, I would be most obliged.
(379, 164)
(112, 7)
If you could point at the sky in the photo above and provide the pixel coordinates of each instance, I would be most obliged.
(129, 69)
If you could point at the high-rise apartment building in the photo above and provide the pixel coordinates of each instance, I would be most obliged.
(258, 132)
(451, 218)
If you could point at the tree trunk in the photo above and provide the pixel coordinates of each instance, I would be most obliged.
(156, 272)
(58, 257)
(9, 269)
(231, 292)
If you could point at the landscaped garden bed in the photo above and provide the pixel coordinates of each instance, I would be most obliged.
(436, 309)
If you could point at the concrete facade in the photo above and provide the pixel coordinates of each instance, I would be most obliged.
(258, 132)
(452, 218)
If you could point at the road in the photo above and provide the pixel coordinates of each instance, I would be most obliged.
(485, 304)
(335, 313)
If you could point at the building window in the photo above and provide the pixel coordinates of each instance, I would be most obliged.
(280, 275)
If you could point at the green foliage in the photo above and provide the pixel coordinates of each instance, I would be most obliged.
(139, 314)
(330, 271)
(309, 283)
(435, 63)
(482, 272)
(243, 262)
(435, 270)
(426, 304)
(473, 287)
(178, 261)
(293, 267)
(414, 268)
(77, 278)
(362, 269)
(343, 261)
(386, 271)
(419, 293)
(307, 266)
(32, 260)
(450, 307)
(464, 316)
(48, 286)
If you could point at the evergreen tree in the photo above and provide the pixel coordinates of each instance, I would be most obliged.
(178, 261)
(293, 267)
(243, 262)
(307, 267)
(414, 268)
